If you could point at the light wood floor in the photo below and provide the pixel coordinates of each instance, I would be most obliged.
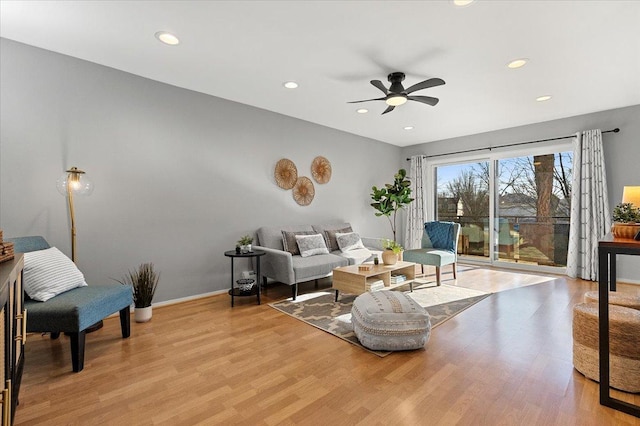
(504, 361)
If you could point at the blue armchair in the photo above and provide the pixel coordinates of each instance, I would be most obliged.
(439, 243)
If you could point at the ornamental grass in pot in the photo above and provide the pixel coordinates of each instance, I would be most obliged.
(143, 282)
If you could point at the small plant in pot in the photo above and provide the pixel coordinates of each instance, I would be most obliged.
(391, 252)
(143, 282)
(245, 244)
(626, 220)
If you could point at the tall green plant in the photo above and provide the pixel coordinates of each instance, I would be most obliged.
(393, 197)
(143, 282)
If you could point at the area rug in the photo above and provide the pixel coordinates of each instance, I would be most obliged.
(322, 311)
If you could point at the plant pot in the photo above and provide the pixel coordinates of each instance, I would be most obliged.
(625, 230)
(245, 248)
(142, 314)
(389, 257)
(400, 255)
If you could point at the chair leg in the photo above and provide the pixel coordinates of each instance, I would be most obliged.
(125, 322)
(55, 335)
(294, 291)
(316, 282)
(455, 270)
(77, 350)
(438, 275)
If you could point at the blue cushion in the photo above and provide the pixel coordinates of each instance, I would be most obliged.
(77, 309)
(441, 235)
(27, 244)
(428, 256)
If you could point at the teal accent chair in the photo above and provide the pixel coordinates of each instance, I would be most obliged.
(439, 247)
(74, 311)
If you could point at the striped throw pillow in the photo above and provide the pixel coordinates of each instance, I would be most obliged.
(48, 273)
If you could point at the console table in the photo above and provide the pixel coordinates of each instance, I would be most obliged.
(608, 248)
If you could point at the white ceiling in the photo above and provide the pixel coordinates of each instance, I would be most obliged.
(586, 54)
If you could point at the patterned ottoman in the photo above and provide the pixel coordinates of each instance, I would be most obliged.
(390, 321)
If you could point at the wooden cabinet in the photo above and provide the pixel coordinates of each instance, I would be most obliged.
(13, 327)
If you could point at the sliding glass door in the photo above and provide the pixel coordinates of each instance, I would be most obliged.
(532, 209)
(512, 209)
(463, 197)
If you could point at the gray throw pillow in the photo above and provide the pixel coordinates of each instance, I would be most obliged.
(330, 237)
(289, 240)
(349, 241)
(311, 245)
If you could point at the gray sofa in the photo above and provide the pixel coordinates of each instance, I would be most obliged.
(282, 266)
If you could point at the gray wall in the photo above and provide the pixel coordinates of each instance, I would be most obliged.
(622, 153)
(179, 176)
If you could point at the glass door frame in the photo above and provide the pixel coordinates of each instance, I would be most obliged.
(492, 158)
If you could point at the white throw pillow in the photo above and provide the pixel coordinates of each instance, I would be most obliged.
(48, 273)
(311, 245)
(349, 241)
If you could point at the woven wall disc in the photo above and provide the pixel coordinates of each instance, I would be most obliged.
(321, 170)
(304, 191)
(286, 173)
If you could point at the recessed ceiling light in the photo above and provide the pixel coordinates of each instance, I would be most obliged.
(517, 63)
(543, 98)
(462, 3)
(408, 127)
(167, 38)
(290, 85)
(362, 111)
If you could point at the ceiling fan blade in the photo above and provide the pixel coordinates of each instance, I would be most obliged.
(389, 109)
(432, 82)
(380, 86)
(367, 100)
(424, 99)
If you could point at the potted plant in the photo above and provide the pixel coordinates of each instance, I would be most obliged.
(393, 197)
(143, 282)
(245, 243)
(391, 252)
(626, 220)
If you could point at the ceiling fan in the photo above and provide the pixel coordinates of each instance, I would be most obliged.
(397, 95)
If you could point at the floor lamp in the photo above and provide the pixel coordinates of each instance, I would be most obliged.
(74, 182)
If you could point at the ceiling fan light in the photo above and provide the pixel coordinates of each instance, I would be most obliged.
(396, 100)
(543, 98)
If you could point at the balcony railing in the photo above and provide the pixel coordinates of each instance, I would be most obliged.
(519, 238)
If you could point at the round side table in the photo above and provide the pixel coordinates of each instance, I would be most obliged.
(234, 291)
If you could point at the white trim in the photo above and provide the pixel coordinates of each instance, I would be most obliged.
(176, 301)
(189, 298)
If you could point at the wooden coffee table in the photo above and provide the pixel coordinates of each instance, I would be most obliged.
(349, 279)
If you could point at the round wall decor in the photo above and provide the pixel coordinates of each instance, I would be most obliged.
(321, 170)
(286, 173)
(304, 191)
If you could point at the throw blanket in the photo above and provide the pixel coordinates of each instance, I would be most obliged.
(441, 235)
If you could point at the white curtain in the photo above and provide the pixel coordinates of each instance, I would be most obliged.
(590, 216)
(417, 210)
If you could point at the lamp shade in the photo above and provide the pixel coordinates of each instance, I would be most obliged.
(631, 194)
(75, 181)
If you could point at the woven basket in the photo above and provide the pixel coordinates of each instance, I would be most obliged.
(625, 230)
(615, 298)
(6, 251)
(624, 345)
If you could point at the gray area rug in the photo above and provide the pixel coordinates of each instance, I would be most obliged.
(320, 309)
